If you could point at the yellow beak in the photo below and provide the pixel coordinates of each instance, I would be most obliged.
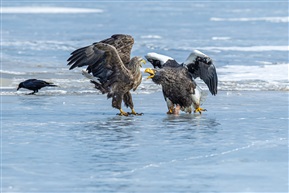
(142, 62)
(151, 72)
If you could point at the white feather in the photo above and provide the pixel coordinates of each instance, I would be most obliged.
(162, 58)
(192, 57)
(197, 96)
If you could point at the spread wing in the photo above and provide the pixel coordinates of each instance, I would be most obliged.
(103, 62)
(158, 60)
(123, 44)
(200, 65)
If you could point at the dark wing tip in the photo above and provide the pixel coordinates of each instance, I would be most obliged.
(86, 56)
(201, 65)
(210, 77)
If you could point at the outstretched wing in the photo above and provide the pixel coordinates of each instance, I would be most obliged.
(158, 60)
(123, 44)
(200, 65)
(103, 62)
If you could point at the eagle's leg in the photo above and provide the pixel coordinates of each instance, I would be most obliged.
(116, 103)
(134, 113)
(177, 110)
(122, 113)
(171, 111)
(171, 106)
(199, 109)
(127, 99)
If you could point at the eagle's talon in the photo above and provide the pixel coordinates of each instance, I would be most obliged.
(122, 113)
(134, 113)
(199, 110)
(171, 111)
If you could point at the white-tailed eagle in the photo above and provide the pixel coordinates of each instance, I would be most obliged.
(177, 80)
(111, 69)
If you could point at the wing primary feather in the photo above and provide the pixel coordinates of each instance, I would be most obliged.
(76, 55)
(200, 65)
(75, 59)
(78, 50)
(88, 56)
(77, 63)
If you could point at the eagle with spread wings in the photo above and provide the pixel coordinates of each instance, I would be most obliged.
(111, 69)
(177, 80)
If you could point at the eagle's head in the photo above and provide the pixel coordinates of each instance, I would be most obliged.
(137, 61)
(159, 76)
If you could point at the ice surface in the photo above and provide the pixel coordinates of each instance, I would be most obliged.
(268, 73)
(267, 19)
(244, 49)
(47, 10)
(75, 143)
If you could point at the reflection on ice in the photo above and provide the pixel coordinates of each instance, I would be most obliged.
(192, 120)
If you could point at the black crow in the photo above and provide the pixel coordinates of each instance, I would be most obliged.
(34, 84)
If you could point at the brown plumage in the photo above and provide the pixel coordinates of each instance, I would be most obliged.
(111, 69)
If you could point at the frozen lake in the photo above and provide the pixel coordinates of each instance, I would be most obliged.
(55, 144)
(69, 138)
